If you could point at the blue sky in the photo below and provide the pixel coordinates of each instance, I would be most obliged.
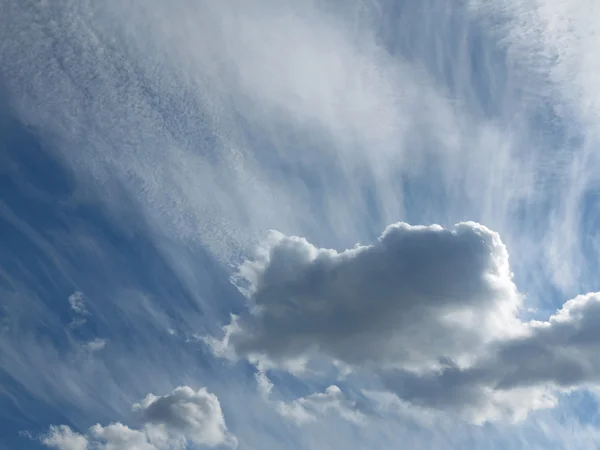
(204, 224)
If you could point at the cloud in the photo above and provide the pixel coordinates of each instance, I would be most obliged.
(77, 302)
(195, 414)
(432, 313)
(63, 438)
(415, 296)
(117, 436)
(95, 344)
(305, 409)
(469, 394)
(311, 85)
(520, 373)
(332, 399)
(170, 422)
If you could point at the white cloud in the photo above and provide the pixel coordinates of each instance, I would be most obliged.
(418, 295)
(432, 313)
(117, 436)
(307, 409)
(195, 414)
(170, 422)
(63, 438)
(95, 344)
(333, 399)
(517, 374)
(77, 302)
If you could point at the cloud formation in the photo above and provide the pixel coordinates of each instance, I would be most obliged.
(170, 422)
(304, 409)
(415, 296)
(195, 414)
(77, 302)
(432, 313)
(63, 438)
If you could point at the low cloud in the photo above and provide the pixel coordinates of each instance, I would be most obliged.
(195, 414)
(63, 438)
(307, 409)
(170, 422)
(416, 295)
(333, 399)
(432, 313)
(95, 344)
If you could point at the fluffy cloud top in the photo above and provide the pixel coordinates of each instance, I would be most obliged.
(170, 422)
(432, 313)
(63, 438)
(196, 414)
(418, 295)
(303, 409)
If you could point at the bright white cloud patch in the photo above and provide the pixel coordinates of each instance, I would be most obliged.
(195, 414)
(170, 422)
(304, 409)
(77, 302)
(432, 313)
(63, 438)
(117, 436)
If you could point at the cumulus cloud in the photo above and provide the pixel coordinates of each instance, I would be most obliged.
(170, 422)
(306, 409)
(524, 372)
(417, 295)
(195, 414)
(117, 436)
(63, 438)
(333, 399)
(432, 313)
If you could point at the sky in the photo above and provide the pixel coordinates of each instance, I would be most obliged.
(271, 224)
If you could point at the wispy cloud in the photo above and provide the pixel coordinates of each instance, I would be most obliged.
(188, 130)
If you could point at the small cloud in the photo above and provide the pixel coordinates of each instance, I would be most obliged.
(304, 409)
(96, 344)
(195, 414)
(63, 438)
(170, 421)
(77, 302)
